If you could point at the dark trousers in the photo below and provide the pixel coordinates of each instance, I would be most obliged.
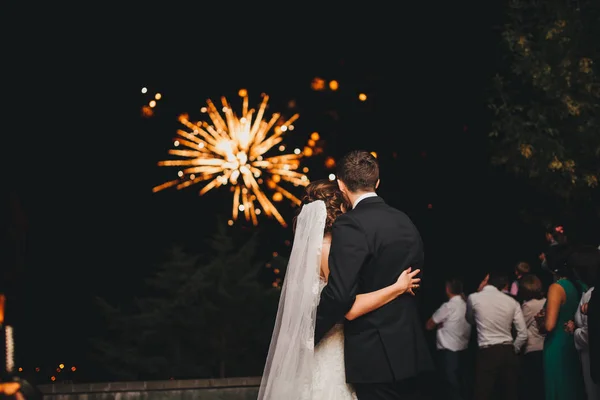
(532, 376)
(403, 390)
(497, 373)
(451, 368)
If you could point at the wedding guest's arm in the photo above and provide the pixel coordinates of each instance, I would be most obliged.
(556, 296)
(580, 334)
(438, 317)
(483, 283)
(349, 251)
(367, 302)
(581, 338)
(521, 328)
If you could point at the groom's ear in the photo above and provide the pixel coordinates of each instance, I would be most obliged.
(377, 184)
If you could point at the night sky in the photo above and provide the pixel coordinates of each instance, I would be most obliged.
(82, 160)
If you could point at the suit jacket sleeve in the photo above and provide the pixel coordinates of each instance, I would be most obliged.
(349, 251)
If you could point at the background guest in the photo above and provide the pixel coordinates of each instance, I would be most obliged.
(586, 262)
(494, 313)
(521, 269)
(452, 338)
(593, 320)
(532, 384)
(562, 369)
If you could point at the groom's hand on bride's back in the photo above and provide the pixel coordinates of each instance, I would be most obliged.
(407, 281)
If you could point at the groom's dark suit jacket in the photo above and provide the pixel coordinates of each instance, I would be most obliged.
(371, 246)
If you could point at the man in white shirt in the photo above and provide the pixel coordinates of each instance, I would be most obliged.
(453, 334)
(494, 314)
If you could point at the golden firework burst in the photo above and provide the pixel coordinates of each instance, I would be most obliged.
(232, 151)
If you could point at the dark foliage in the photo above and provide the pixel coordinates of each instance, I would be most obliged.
(203, 316)
(546, 105)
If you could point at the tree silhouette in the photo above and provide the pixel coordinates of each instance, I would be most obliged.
(202, 316)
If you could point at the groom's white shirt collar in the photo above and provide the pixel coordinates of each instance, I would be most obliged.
(362, 197)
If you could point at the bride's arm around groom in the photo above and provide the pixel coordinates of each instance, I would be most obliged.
(363, 303)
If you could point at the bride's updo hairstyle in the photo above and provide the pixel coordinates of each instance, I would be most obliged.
(329, 192)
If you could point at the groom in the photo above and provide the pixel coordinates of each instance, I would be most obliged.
(372, 244)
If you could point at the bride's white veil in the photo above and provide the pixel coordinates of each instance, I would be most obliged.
(289, 367)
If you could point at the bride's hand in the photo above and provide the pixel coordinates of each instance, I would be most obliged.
(407, 281)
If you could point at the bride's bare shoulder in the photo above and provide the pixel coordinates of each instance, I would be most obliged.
(325, 256)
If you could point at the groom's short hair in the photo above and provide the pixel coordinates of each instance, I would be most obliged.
(359, 171)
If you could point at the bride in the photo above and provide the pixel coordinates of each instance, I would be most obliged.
(295, 368)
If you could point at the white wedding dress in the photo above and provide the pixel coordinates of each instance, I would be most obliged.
(329, 376)
(295, 368)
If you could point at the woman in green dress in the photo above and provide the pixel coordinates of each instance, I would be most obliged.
(562, 369)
